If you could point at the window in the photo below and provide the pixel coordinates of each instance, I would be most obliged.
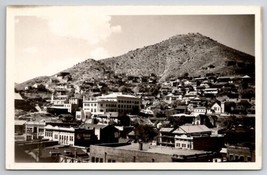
(93, 159)
(153, 160)
(56, 136)
(101, 160)
(97, 159)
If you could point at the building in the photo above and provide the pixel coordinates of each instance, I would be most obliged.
(216, 108)
(240, 154)
(211, 91)
(200, 110)
(70, 135)
(20, 126)
(34, 129)
(61, 154)
(166, 137)
(111, 105)
(138, 152)
(191, 137)
(104, 133)
(170, 98)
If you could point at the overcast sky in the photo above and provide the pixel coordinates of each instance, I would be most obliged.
(45, 45)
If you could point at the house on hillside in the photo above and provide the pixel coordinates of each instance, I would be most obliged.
(217, 108)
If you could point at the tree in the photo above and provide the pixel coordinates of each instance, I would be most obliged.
(146, 133)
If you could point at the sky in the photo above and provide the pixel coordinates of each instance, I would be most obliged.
(48, 44)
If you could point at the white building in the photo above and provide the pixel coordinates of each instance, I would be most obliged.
(34, 129)
(64, 136)
(199, 110)
(111, 105)
(213, 91)
(217, 108)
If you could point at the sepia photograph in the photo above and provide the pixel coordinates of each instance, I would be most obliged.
(134, 87)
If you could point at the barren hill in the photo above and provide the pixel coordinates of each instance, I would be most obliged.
(192, 53)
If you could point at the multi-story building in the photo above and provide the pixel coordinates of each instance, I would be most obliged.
(70, 135)
(111, 105)
(191, 137)
(34, 129)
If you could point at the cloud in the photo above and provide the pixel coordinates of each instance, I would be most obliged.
(81, 24)
(99, 53)
(30, 50)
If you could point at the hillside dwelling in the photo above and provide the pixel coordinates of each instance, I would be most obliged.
(58, 100)
(213, 91)
(61, 86)
(225, 79)
(35, 85)
(80, 116)
(201, 110)
(216, 108)
(172, 98)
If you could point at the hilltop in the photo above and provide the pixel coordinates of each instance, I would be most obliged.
(191, 53)
(194, 54)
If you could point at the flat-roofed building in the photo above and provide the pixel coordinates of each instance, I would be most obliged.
(138, 152)
(111, 105)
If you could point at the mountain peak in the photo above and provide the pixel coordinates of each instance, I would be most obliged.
(191, 53)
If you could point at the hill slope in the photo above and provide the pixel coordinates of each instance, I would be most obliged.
(191, 53)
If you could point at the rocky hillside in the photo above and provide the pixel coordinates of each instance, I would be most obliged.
(192, 53)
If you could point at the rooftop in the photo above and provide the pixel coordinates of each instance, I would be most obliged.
(191, 129)
(160, 149)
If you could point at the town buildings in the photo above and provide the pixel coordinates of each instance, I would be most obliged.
(179, 117)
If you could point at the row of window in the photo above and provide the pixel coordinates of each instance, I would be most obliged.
(49, 134)
(61, 137)
(125, 106)
(111, 105)
(183, 145)
(127, 101)
(88, 109)
(100, 160)
(89, 104)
